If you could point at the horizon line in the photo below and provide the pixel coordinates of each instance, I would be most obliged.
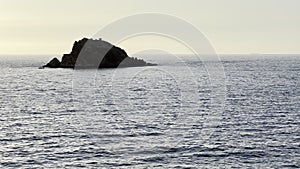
(253, 54)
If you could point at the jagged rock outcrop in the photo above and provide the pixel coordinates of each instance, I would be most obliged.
(54, 63)
(89, 53)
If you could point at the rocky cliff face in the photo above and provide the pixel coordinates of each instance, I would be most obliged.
(89, 53)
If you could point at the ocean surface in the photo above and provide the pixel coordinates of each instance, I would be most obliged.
(168, 116)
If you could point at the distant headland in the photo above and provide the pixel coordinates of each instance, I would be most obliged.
(90, 53)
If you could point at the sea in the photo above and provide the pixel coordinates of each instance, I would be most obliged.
(241, 111)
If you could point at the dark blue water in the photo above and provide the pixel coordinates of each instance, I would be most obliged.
(157, 117)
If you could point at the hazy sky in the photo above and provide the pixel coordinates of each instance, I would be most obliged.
(232, 26)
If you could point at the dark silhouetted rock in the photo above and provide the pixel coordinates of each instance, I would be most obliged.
(54, 63)
(89, 53)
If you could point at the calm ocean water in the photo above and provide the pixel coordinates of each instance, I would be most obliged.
(156, 117)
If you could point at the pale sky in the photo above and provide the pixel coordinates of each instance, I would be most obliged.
(232, 26)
